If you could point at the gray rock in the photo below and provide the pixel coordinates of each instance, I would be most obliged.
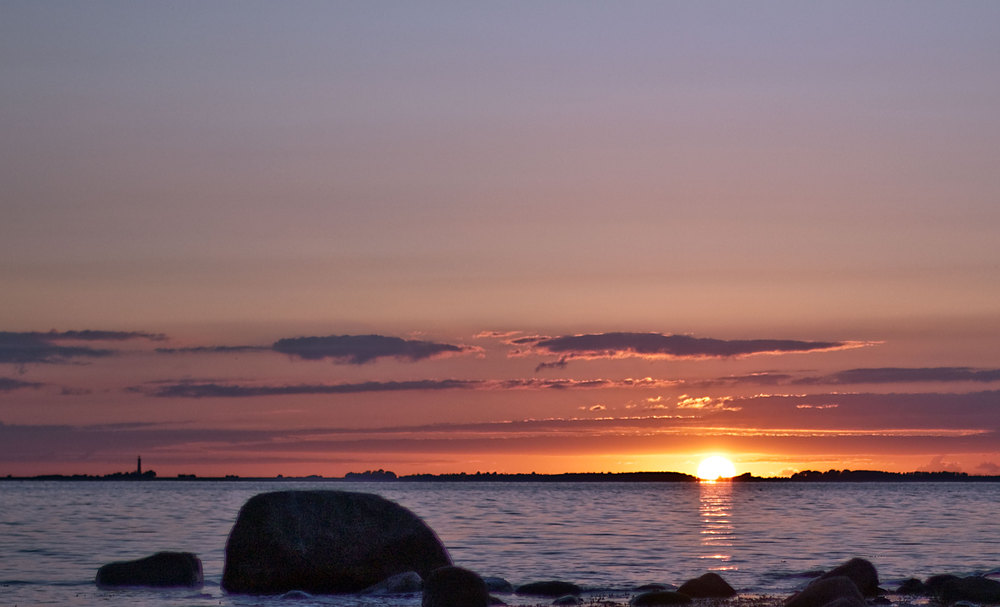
(548, 588)
(710, 585)
(455, 587)
(659, 597)
(325, 542)
(825, 591)
(498, 584)
(401, 583)
(974, 589)
(568, 599)
(860, 571)
(161, 569)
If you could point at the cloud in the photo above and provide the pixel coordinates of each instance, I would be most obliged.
(360, 349)
(659, 346)
(938, 464)
(195, 389)
(37, 347)
(9, 385)
(892, 375)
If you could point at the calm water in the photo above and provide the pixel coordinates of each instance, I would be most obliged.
(605, 537)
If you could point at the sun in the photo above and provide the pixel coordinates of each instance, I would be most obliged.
(716, 467)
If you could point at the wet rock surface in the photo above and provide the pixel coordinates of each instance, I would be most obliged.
(325, 542)
(455, 587)
(163, 569)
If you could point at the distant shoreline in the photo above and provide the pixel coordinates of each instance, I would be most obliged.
(809, 476)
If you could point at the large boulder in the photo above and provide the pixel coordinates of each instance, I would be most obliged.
(455, 587)
(861, 572)
(974, 589)
(710, 585)
(160, 569)
(840, 590)
(325, 542)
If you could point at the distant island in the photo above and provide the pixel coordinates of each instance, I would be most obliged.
(807, 476)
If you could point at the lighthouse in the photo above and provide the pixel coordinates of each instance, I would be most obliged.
(138, 466)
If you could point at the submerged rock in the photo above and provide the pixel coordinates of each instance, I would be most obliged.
(455, 587)
(548, 588)
(832, 591)
(861, 572)
(710, 585)
(161, 569)
(659, 597)
(325, 542)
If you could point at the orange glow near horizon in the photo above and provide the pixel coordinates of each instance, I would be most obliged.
(716, 467)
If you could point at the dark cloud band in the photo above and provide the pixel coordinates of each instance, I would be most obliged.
(38, 347)
(360, 349)
(658, 345)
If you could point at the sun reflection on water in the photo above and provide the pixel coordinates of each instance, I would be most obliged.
(717, 530)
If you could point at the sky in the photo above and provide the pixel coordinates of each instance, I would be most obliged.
(301, 238)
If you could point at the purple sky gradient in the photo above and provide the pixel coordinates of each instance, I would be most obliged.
(318, 210)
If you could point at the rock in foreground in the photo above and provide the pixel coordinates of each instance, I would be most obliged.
(455, 587)
(973, 589)
(325, 542)
(659, 597)
(161, 569)
(840, 590)
(861, 572)
(710, 585)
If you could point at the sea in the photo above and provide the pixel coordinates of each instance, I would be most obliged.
(610, 538)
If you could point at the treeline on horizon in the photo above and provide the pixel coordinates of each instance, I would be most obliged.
(806, 476)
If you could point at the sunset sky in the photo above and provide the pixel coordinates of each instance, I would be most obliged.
(297, 238)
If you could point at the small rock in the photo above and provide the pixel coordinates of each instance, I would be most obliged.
(498, 584)
(710, 585)
(496, 601)
(974, 589)
(401, 583)
(825, 591)
(659, 597)
(568, 599)
(859, 571)
(912, 586)
(455, 587)
(649, 587)
(548, 588)
(161, 569)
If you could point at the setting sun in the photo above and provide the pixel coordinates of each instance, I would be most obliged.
(716, 467)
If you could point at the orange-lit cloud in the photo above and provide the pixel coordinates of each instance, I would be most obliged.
(660, 346)
(212, 389)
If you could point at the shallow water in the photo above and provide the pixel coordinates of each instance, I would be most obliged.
(608, 538)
